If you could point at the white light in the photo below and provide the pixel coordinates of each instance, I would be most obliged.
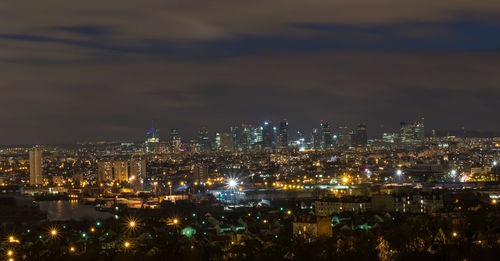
(495, 163)
(232, 183)
(453, 172)
(399, 172)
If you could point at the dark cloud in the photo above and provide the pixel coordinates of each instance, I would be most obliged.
(104, 70)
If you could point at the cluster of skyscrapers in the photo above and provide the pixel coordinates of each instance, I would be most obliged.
(267, 136)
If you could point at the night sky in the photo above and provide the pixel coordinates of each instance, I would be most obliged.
(78, 71)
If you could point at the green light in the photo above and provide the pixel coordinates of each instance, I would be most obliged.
(64, 227)
(275, 236)
(222, 217)
(29, 230)
(194, 214)
(281, 209)
(98, 223)
(258, 217)
(203, 222)
(40, 236)
(84, 235)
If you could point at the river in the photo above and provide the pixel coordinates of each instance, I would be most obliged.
(64, 210)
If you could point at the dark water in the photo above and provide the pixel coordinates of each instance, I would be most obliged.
(63, 210)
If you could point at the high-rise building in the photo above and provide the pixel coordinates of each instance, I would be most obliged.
(224, 141)
(315, 139)
(246, 139)
(105, 171)
(200, 172)
(268, 135)
(204, 139)
(326, 135)
(138, 168)
(153, 138)
(412, 132)
(301, 141)
(36, 168)
(235, 132)
(175, 140)
(257, 136)
(344, 138)
(283, 134)
(361, 135)
(120, 171)
(419, 131)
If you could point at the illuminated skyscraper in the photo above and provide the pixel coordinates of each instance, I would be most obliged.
(138, 168)
(301, 141)
(120, 171)
(153, 138)
(268, 135)
(246, 139)
(36, 175)
(315, 139)
(105, 171)
(326, 135)
(175, 140)
(224, 141)
(283, 134)
(344, 138)
(361, 135)
(204, 139)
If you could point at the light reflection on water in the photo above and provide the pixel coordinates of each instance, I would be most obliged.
(63, 210)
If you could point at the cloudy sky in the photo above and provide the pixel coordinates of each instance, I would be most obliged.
(102, 70)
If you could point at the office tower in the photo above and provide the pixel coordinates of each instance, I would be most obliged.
(315, 139)
(152, 138)
(138, 168)
(224, 141)
(412, 132)
(257, 136)
(36, 174)
(204, 139)
(267, 135)
(353, 137)
(326, 135)
(361, 135)
(200, 172)
(175, 140)
(406, 133)
(344, 137)
(236, 135)
(246, 139)
(419, 131)
(301, 141)
(120, 171)
(283, 134)
(105, 171)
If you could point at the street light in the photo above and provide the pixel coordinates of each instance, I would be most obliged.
(399, 173)
(233, 183)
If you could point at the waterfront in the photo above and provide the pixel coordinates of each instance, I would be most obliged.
(64, 210)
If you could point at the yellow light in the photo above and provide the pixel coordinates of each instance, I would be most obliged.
(10, 253)
(131, 224)
(289, 212)
(92, 229)
(494, 201)
(126, 244)
(176, 221)
(11, 259)
(72, 249)
(455, 234)
(345, 179)
(53, 232)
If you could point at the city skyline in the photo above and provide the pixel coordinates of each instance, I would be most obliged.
(106, 70)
